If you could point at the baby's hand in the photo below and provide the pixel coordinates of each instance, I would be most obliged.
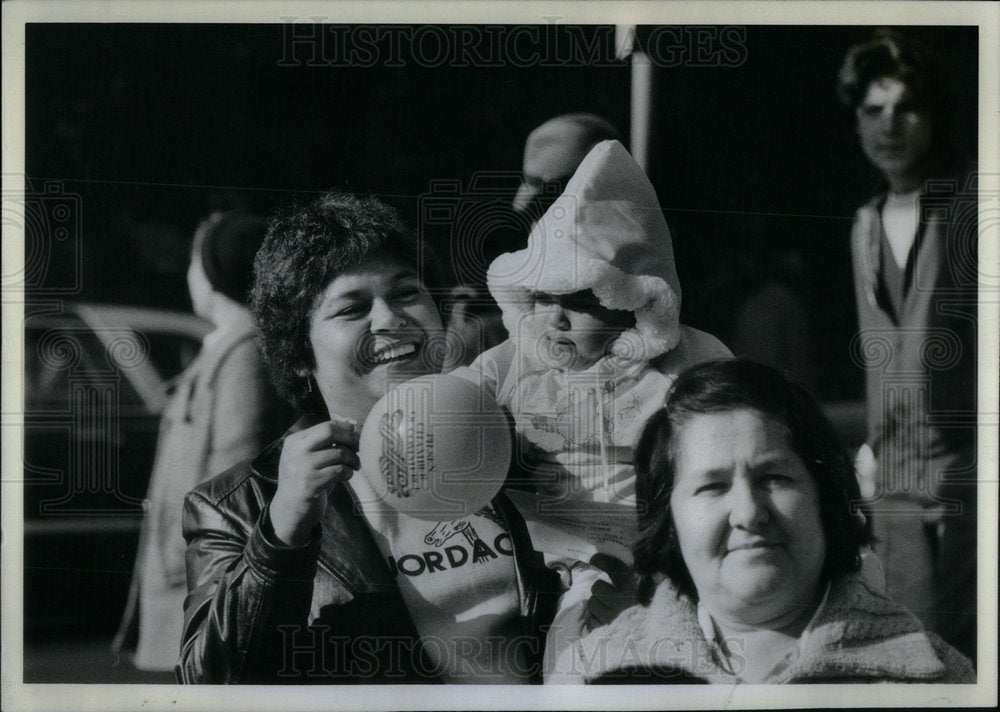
(607, 600)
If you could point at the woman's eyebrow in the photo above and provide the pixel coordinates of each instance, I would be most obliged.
(771, 459)
(353, 294)
(348, 296)
(401, 273)
(711, 473)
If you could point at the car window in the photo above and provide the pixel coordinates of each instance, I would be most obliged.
(62, 351)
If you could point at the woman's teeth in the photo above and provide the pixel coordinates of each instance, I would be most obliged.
(392, 353)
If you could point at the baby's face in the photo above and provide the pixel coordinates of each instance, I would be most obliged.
(574, 330)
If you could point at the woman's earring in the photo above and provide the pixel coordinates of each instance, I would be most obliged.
(309, 381)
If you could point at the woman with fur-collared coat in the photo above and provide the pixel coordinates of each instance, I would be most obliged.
(857, 635)
(751, 565)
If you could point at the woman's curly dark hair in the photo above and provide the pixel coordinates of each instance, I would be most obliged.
(723, 386)
(889, 53)
(307, 247)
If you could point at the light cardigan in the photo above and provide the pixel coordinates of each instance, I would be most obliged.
(857, 635)
(223, 410)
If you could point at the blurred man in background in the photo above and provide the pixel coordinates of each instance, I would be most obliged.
(914, 254)
(552, 153)
(223, 410)
(551, 156)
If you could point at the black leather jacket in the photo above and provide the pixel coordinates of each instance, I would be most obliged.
(327, 612)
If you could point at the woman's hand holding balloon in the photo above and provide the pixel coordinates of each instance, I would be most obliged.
(313, 461)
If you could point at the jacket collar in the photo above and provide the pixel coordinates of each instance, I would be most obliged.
(860, 633)
(935, 208)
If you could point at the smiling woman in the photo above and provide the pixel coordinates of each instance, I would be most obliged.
(298, 572)
(749, 559)
(747, 518)
(338, 279)
(370, 328)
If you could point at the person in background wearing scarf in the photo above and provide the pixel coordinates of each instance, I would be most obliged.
(222, 411)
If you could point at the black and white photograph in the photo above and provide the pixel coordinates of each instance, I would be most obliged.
(398, 348)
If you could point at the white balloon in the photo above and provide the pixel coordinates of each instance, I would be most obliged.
(436, 448)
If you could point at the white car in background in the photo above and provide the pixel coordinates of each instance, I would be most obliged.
(96, 379)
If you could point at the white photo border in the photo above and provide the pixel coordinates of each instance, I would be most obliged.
(18, 696)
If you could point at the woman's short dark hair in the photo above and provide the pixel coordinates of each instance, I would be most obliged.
(891, 54)
(308, 245)
(723, 386)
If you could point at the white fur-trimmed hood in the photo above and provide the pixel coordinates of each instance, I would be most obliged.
(605, 233)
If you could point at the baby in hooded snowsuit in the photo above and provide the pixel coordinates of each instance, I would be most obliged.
(592, 307)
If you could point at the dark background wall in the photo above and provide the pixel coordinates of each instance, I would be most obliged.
(153, 126)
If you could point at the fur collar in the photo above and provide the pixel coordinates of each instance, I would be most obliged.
(857, 635)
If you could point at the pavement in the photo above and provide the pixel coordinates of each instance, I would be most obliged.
(83, 660)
